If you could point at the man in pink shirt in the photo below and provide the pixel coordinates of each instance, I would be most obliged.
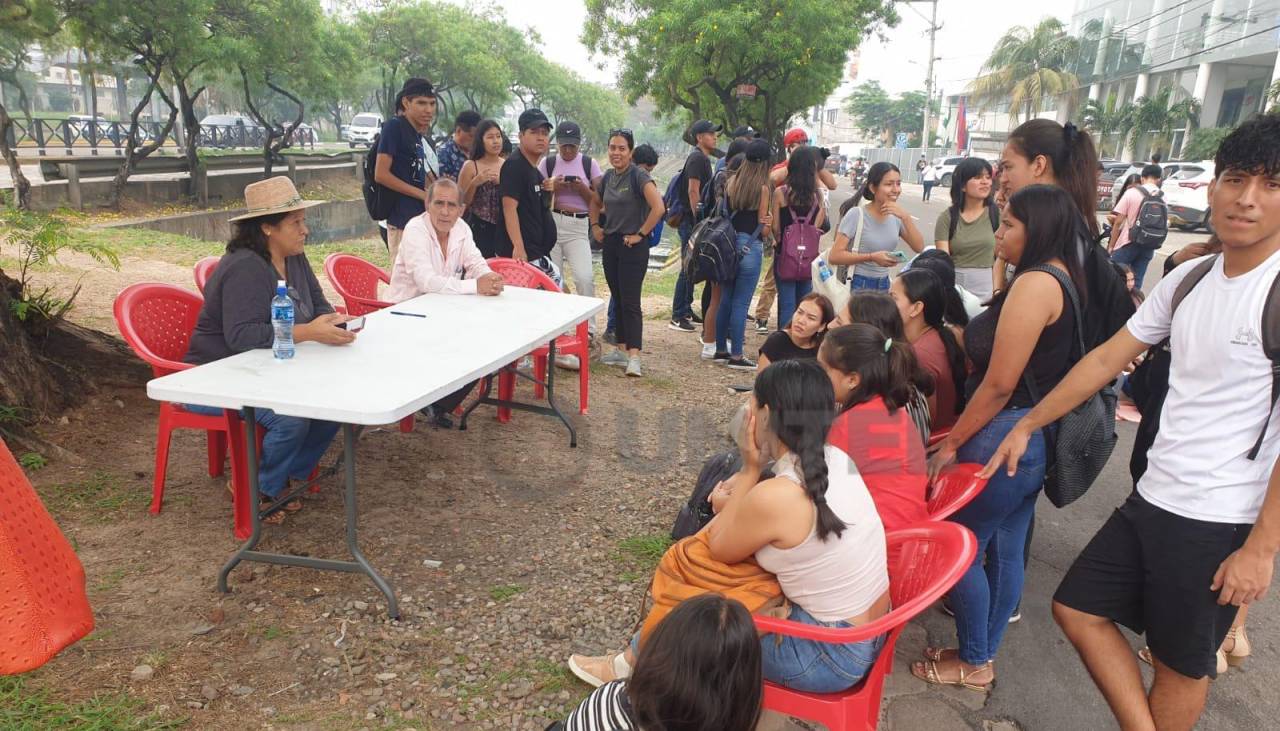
(438, 256)
(575, 187)
(1125, 215)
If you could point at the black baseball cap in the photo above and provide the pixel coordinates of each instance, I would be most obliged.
(532, 118)
(568, 133)
(746, 131)
(414, 87)
(703, 125)
(759, 151)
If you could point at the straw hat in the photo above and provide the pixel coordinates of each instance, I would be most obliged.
(271, 196)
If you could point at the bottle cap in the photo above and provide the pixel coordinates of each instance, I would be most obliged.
(281, 287)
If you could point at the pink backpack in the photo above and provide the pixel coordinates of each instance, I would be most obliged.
(799, 245)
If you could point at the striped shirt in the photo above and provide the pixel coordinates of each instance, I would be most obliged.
(604, 710)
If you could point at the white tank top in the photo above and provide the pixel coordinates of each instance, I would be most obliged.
(843, 576)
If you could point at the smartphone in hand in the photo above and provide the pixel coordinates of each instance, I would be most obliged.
(353, 325)
(899, 255)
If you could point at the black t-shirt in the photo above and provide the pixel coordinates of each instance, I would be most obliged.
(779, 346)
(403, 144)
(697, 167)
(523, 182)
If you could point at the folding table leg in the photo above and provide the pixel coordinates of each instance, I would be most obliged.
(551, 392)
(353, 517)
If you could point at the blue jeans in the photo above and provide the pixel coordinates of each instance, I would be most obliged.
(816, 667)
(682, 301)
(875, 284)
(1000, 516)
(735, 297)
(291, 448)
(613, 315)
(789, 296)
(1137, 258)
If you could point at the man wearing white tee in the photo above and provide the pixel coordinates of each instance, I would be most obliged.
(574, 190)
(1198, 537)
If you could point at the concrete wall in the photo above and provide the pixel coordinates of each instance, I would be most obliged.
(329, 221)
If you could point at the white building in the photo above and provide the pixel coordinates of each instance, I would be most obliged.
(830, 125)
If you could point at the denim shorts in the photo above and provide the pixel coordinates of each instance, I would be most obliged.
(817, 667)
(875, 284)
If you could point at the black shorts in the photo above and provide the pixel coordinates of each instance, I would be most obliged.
(1150, 570)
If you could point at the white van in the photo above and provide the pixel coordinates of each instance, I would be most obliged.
(364, 127)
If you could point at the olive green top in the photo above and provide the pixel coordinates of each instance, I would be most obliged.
(974, 244)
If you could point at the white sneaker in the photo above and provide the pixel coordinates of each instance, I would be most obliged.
(568, 362)
(633, 366)
(615, 358)
(708, 351)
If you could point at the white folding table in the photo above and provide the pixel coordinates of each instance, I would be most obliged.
(398, 364)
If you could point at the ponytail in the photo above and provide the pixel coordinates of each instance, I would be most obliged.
(801, 409)
(925, 287)
(886, 367)
(1073, 157)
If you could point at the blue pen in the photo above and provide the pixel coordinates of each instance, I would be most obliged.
(407, 314)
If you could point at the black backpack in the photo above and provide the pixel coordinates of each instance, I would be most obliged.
(1151, 227)
(379, 200)
(1106, 301)
(586, 167)
(713, 245)
(697, 512)
(1150, 380)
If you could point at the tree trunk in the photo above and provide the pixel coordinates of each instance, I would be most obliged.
(21, 186)
(133, 151)
(48, 370)
(191, 125)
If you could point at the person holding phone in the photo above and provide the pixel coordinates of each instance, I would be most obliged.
(874, 251)
(576, 178)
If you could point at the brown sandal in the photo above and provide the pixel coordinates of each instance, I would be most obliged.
(928, 672)
(938, 654)
(276, 518)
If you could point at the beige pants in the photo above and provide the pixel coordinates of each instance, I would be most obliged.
(393, 244)
(768, 292)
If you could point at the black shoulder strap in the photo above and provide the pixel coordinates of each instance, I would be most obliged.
(1271, 347)
(586, 169)
(551, 165)
(1070, 289)
(1189, 283)
(993, 213)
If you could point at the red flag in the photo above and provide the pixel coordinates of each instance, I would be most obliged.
(962, 129)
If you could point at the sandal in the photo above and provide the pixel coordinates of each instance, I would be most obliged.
(596, 671)
(292, 506)
(938, 654)
(1235, 647)
(928, 672)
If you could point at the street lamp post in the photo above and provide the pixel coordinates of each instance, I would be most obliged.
(928, 79)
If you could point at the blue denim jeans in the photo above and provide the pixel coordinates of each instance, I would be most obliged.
(1137, 258)
(735, 297)
(291, 448)
(816, 667)
(613, 315)
(682, 300)
(789, 296)
(875, 284)
(1000, 516)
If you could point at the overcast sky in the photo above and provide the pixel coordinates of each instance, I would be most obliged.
(970, 30)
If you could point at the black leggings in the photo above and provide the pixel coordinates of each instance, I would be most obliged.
(485, 235)
(624, 270)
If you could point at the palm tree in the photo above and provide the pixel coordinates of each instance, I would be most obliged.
(1108, 119)
(1158, 116)
(1029, 68)
(1273, 96)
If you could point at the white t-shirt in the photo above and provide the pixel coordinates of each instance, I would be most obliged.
(1219, 396)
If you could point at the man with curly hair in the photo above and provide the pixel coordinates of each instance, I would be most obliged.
(1198, 537)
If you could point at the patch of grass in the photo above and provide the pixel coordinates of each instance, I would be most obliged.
(660, 383)
(155, 245)
(272, 632)
(24, 708)
(660, 284)
(101, 494)
(111, 581)
(645, 551)
(33, 461)
(156, 659)
(504, 592)
(552, 677)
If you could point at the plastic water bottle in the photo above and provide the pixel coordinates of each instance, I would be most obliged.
(824, 271)
(282, 322)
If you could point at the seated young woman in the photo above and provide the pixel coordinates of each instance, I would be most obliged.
(878, 310)
(267, 246)
(922, 303)
(813, 525)
(801, 338)
(871, 378)
(701, 665)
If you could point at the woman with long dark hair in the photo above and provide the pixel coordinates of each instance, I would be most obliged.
(698, 671)
(795, 201)
(878, 310)
(803, 336)
(961, 304)
(1020, 348)
(479, 184)
(884, 223)
(921, 302)
(747, 195)
(967, 229)
(871, 376)
(813, 525)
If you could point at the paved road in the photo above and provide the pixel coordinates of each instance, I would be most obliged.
(1041, 684)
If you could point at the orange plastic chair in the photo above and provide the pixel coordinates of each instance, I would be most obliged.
(523, 274)
(43, 606)
(157, 320)
(954, 488)
(204, 269)
(927, 560)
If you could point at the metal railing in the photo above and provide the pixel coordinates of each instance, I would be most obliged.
(67, 135)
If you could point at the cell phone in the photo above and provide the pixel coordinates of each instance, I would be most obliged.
(571, 178)
(899, 255)
(352, 325)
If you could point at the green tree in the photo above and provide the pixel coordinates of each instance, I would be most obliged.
(1203, 143)
(1106, 120)
(1158, 116)
(878, 113)
(22, 24)
(1029, 68)
(691, 56)
(1273, 96)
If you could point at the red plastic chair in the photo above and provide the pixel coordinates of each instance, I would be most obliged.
(523, 274)
(204, 270)
(157, 320)
(938, 436)
(955, 488)
(357, 283)
(43, 606)
(928, 559)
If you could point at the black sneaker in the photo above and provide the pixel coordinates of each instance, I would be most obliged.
(762, 327)
(1017, 614)
(611, 337)
(696, 318)
(720, 357)
(741, 364)
(682, 325)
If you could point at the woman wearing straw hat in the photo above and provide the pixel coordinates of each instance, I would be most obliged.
(266, 246)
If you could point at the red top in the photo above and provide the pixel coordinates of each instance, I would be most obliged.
(889, 454)
(932, 355)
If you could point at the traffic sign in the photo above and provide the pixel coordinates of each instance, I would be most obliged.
(901, 141)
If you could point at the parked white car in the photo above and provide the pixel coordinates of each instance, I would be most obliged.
(945, 167)
(364, 127)
(1187, 194)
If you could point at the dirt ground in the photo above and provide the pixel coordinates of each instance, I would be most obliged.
(542, 550)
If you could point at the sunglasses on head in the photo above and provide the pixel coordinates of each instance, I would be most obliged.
(623, 131)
